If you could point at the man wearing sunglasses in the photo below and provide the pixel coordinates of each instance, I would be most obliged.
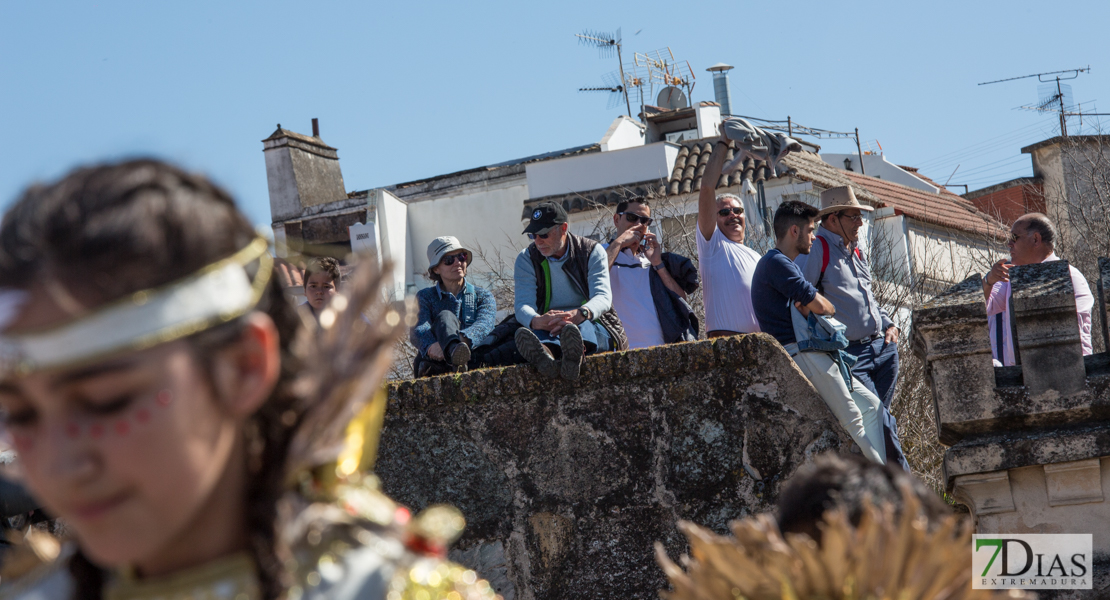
(649, 285)
(839, 270)
(725, 263)
(1032, 240)
(563, 297)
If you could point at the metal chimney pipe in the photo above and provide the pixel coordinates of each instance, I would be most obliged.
(721, 91)
(315, 128)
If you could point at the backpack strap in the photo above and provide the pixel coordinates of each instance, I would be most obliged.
(824, 264)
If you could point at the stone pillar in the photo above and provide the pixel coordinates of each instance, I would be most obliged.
(1048, 344)
(1032, 447)
(1103, 290)
(950, 333)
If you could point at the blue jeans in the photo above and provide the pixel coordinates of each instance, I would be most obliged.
(877, 370)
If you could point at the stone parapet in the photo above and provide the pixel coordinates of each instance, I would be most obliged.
(950, 333)
(1048, 344)
(1029, 445)
(1103, 291)
(566, 486)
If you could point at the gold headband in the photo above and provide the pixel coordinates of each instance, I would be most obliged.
(216, 294)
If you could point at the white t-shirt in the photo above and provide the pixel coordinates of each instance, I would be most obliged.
(726, 270)
(633, 302)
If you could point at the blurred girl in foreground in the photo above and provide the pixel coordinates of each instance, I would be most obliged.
(182, 419)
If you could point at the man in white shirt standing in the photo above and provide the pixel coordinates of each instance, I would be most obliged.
(649, 285)
(1031, 241)
(725, 263)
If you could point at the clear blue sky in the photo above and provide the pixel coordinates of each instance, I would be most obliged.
(407, 90)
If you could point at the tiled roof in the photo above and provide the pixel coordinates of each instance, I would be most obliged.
(280, 132)
(587, 149)
(687, 174)
(806, 166)
(945, 209)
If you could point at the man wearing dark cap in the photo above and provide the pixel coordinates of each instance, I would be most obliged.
(563, 296)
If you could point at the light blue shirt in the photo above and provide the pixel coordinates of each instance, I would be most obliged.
(563, 294)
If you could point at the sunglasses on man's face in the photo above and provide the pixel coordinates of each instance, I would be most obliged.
(634, 218)
(450, 260)
(735, 210)
(542, 236)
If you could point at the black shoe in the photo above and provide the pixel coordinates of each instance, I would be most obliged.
(570, 340)
(533, 351)
(460, 354)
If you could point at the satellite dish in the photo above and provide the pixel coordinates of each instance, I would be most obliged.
(672, 98)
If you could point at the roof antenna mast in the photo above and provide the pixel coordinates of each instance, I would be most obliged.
(1060, 102)
(607, 44)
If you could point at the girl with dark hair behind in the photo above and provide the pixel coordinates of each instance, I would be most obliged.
(176, 412)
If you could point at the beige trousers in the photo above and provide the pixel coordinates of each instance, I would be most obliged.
(857, 409)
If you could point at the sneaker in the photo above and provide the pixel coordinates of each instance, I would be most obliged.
(537, 355)
(570, 340)
(460, 354)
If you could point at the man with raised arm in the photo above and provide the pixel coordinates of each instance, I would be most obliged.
(1032, 240)
(778, 288)
(725, 263)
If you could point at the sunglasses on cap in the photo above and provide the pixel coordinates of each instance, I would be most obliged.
(631, 218)
(735, 210)
(450, 260)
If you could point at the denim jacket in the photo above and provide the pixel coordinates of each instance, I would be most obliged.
(476, 309)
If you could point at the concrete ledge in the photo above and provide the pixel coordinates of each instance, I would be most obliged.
(566, 487)
(999, 452)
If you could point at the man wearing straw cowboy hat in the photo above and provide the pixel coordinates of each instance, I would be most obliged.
(840, 271)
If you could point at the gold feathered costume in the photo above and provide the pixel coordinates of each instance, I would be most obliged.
(888, 557)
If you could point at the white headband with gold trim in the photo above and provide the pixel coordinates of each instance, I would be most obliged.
(216, 294)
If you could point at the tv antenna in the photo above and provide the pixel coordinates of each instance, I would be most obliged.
(608, 44)
(1059, 101)
(674, 75)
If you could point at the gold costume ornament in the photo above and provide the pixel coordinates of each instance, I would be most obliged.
(887, 557)
(341, 537)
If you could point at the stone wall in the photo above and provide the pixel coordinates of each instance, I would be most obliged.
(1029, 445)
(566, 487)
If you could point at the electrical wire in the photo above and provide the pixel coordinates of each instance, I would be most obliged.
(988, 167)
(1006, 144)
(972, 149)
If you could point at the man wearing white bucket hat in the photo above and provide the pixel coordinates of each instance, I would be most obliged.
(840, 271)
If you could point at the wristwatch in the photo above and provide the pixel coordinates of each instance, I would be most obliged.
(659, 267)
(585, 312)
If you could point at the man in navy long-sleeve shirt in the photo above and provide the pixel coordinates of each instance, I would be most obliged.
(778, 288)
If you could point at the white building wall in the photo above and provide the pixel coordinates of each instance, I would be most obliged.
(391, 217)
(623, 133)
(876, 165)
(485, 220)
(601, 170)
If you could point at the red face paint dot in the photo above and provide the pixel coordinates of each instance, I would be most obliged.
(164, 398)
(122, 427)
(142, 415)
(96, 430)
(73, 431)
